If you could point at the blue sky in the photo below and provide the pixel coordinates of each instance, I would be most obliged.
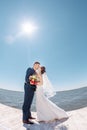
(59, 43)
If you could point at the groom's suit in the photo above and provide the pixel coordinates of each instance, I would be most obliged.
(29, 94)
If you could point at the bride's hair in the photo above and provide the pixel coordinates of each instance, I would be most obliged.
(43, 70)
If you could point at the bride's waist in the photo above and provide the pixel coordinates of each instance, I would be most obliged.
(39, 89)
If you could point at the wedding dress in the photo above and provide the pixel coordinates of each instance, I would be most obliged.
(47, 110)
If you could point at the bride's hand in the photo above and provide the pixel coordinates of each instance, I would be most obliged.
(38, 84)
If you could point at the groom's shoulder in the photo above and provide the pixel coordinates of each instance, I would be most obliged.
(28, 69)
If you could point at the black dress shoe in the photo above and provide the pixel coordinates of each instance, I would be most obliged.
(28, 122)
(32, 117)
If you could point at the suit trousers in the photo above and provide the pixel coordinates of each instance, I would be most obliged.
(28, 98)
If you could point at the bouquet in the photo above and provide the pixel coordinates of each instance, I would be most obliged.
(34, 80)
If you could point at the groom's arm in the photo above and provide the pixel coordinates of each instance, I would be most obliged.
(29, 72)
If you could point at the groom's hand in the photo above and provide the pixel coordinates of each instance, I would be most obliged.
(30, 77)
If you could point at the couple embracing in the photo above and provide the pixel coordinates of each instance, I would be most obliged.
(37, 80)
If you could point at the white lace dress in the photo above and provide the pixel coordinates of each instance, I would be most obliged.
(47, 110)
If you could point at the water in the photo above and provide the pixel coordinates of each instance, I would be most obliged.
(68, 100)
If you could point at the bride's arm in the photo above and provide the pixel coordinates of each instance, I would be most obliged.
(41, 80)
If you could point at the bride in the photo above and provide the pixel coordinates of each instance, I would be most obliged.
(46, 110)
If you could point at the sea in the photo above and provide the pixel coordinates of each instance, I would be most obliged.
(67, 100)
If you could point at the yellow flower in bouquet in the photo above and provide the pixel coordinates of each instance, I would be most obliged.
(34, 80)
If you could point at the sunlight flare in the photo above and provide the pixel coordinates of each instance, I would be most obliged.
(28, 28)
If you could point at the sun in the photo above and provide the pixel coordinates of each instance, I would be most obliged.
(28, 28)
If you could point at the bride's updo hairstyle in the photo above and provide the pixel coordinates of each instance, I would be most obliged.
(43, 70)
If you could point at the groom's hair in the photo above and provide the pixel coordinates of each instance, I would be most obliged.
(36, 62)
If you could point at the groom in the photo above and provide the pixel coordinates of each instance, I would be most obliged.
(29, 94)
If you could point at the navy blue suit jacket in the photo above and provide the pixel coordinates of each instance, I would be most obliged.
(29, 72)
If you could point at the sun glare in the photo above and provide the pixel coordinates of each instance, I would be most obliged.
(28, 28)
